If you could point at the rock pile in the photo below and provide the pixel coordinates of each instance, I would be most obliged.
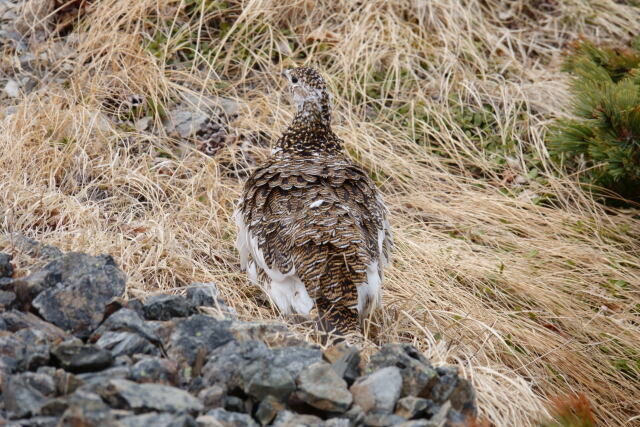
(73, 352)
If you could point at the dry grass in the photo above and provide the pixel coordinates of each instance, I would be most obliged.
(531, 300)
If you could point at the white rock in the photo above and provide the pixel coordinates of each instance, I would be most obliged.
(12, 89)
(143, 123)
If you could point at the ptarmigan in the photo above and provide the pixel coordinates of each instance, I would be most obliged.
(313, 228)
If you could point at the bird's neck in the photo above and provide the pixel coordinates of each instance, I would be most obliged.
(310, 132)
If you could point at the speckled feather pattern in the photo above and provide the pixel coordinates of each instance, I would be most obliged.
(309, 212)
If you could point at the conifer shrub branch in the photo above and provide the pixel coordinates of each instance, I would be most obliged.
(602, 141)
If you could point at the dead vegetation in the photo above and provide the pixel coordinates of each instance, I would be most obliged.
(502, 265)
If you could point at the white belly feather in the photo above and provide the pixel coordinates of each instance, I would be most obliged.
(286, 289)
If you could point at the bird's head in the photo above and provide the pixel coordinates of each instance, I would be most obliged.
(309, 92)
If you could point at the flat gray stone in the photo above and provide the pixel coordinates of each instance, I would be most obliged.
(267, 410)
(85, 286)
(166, 307)
(15, 320)
(6, 268)
(126, 394)
(375, 419)
(379, 391)
(87, 409)
(411, 407)
(126, 344)
(320, 387)
(197, 333)
(155, 419)
(276, 382)
(128, 320)
(458, 391)
(155, 370)
(212, 397)
(290, 419)
(25, 394)
(418, 376)
(227, 419)
(203, 294)
(77, 357)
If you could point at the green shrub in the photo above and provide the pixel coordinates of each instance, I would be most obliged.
(603, 140)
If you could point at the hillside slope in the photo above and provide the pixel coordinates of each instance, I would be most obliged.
(128, 128)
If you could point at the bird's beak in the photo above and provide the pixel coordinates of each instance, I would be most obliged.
(285, 74)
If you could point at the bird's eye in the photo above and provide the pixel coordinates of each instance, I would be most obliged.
(294, 79)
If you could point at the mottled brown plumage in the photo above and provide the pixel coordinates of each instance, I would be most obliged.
(312, 225)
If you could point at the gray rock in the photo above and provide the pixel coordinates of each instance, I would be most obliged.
(156, 370)
(27, 349)
(54, 407)
(148, 397)
(375, 419)
(166, 307)
(235, 363)
(86, 285)
(17, 320)
(439, 419)
(66, 383)
(126, 343)
(229, 419)
(355, 415)
(12, 88)
(412, 407)
(229, 106)
(87, 409)
(6, 284)
(6, 298)
(158, 420)
(12, 349)
(35, 422)
(162, 330)
(274, 381)
(379, 391)
(457, 419)
(337, 422)
(34, 248)
(207, 421)
(268, 409)
(6, 268)
(36, 349)
(459, 391)
(212, 397)
(417, 373)
(417, 423)
(186, 123)
(203, 294)
(25, 394)
(290, 419)
(27, 288)
(196, 334)
(274, 334)
(320, 387)
(345, 360)
(143, 123)
(235, 404)
(128, 320)
(77, 357)
(295, 359)
(94, 380)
